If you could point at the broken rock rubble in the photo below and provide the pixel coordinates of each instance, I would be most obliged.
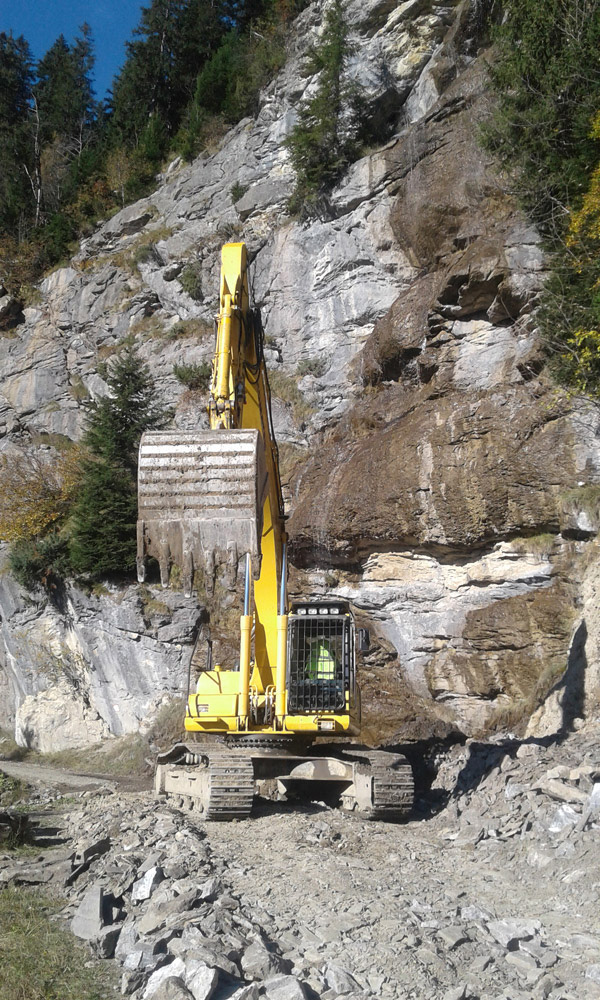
(305, 903)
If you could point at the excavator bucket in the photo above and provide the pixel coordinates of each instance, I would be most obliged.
(200, 502)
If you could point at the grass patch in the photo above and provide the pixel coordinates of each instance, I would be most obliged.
(536, 544)
(60, 442)
(31, 296)
(312, 366)
(150, 328)
(514, 713)
(121, 757)
(152, 607)
(196, 377)
(286, 388)
(125, 756)
(39, 959)
(198, 328)
(147, 328)
(9, 749)
(586, 497)
(167, 727)
(109, 350)
(78, 389)
(139, 252)
(11, 790)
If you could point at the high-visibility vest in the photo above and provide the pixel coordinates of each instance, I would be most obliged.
(320, 664)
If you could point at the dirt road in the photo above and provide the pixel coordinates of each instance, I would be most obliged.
(39, 774)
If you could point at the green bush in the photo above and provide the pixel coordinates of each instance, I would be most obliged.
(190, 281)
(12, 790)
(40, 562)
(325, 138)
(238, 191)
(545, 132)
(194, 376)
(312, 366)
(143, 253)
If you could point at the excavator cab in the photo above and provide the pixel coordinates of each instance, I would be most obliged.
(321, 674)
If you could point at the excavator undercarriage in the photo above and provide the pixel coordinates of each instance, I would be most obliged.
(219, 783)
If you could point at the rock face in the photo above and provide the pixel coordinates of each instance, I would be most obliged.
(93, 664)
(448, 488)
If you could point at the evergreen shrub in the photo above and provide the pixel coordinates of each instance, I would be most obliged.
(195, 377)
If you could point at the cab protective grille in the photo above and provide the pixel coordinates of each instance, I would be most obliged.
(318, 663)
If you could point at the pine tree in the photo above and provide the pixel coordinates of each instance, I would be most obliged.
(103, 538)
(64, 91)
(16, 79)
(547, 76)
(174, 40)
(324, 140)
(146, 87)
(117, 421)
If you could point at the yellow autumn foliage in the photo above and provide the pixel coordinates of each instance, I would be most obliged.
(584, 347)
(36, 491)
(582, 355)
(584, 227)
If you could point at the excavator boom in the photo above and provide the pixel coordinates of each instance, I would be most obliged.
(201, 496)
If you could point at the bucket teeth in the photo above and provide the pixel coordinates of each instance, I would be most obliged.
(200, 503)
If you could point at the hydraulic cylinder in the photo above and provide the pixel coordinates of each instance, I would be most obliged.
(280, 677)
(245, 643)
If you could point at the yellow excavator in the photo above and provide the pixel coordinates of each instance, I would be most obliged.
(210, 503)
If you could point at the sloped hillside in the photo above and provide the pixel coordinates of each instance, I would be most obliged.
(434, 474)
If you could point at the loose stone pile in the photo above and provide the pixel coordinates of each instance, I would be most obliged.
(511, 788)
(146, 891)
(490, 893)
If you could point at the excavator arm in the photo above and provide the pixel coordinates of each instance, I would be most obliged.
(202, 495)
(211, 502)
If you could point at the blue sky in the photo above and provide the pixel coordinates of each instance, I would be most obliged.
(42, 21)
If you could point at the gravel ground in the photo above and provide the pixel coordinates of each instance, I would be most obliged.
(490, 892)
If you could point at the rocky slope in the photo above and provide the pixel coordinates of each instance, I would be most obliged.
(434, 475)
(488, 893)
